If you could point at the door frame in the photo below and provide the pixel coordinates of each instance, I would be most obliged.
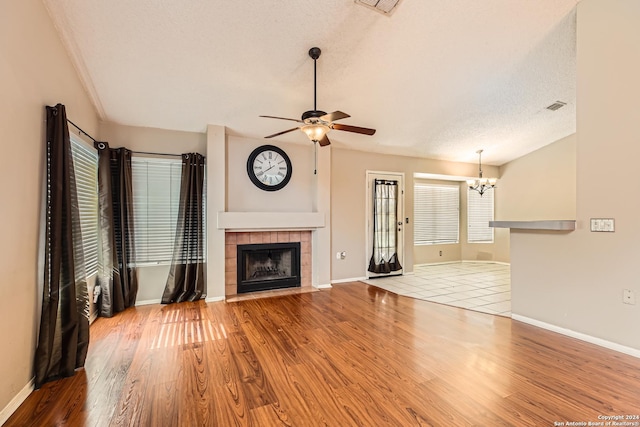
(369, 176)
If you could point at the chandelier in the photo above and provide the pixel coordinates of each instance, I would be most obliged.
(481, 184)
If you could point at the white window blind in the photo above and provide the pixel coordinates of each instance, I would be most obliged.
(479, 213)
(85, 166)
(156, 196)
(436, 214)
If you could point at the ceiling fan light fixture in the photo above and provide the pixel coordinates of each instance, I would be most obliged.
(315, 131)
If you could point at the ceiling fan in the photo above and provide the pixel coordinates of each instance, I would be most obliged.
(316, 123)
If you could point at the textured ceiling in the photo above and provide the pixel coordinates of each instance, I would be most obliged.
(437, 78)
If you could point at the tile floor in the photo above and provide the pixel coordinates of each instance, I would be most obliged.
(477, 286)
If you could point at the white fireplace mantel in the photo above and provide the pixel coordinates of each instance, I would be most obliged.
(266, 221)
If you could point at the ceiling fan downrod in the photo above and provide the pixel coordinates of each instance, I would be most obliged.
(314, 53)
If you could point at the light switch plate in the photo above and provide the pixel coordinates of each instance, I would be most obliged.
(606, 225)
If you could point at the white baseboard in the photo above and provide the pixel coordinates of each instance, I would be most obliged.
(485, 261)
(148, 302)
(578, 335)
(436, 263)
(475, 261)
(16, 401)
(353, 279)
(214, 299)
(324, 286)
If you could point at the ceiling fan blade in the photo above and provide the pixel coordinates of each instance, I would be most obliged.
(324, 141)
(283, 118)
(281, 133)
(336, 115)
(355, 129)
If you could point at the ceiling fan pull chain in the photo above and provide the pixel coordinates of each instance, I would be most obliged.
(315, 157)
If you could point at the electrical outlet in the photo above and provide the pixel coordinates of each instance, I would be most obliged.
(628, 296)
(440, 253)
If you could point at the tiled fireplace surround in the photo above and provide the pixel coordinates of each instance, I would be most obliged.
(233, 239)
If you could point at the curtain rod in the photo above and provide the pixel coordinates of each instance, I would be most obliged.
(136, 152)
(82, 131)
(156, 154)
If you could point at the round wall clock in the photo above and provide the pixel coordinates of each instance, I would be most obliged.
(269, 168)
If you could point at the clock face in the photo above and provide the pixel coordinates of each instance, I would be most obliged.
(269, 168)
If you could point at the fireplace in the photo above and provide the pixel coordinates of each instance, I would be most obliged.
(265, 266)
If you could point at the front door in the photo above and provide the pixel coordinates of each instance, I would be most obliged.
(385, 230)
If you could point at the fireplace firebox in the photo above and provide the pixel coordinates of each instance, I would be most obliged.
(265, 266)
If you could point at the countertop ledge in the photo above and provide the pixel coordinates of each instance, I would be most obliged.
(551, 225)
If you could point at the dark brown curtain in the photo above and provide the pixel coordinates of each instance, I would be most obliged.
(117, 284)
(186, 276)
(64, 326)
(384, 257)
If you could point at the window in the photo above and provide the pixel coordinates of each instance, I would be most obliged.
(436, 214)
(479, 213)
(85, 166)
(156, 197)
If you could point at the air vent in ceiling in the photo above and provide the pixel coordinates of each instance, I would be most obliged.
(556, 105)
(386, 7)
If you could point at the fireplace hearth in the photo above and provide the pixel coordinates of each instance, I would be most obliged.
(266, 266)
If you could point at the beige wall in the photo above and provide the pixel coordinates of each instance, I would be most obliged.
(243, 196)
(34, 71)
(540, 185)
(348, 203)
(429, 254)
(575, 280)
(306, 192)
(550, 195)
(152, 139)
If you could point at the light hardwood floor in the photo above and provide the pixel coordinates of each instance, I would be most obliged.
(352, 355)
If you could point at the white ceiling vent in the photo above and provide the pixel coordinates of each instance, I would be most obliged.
(556, 105)
(386, 7)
